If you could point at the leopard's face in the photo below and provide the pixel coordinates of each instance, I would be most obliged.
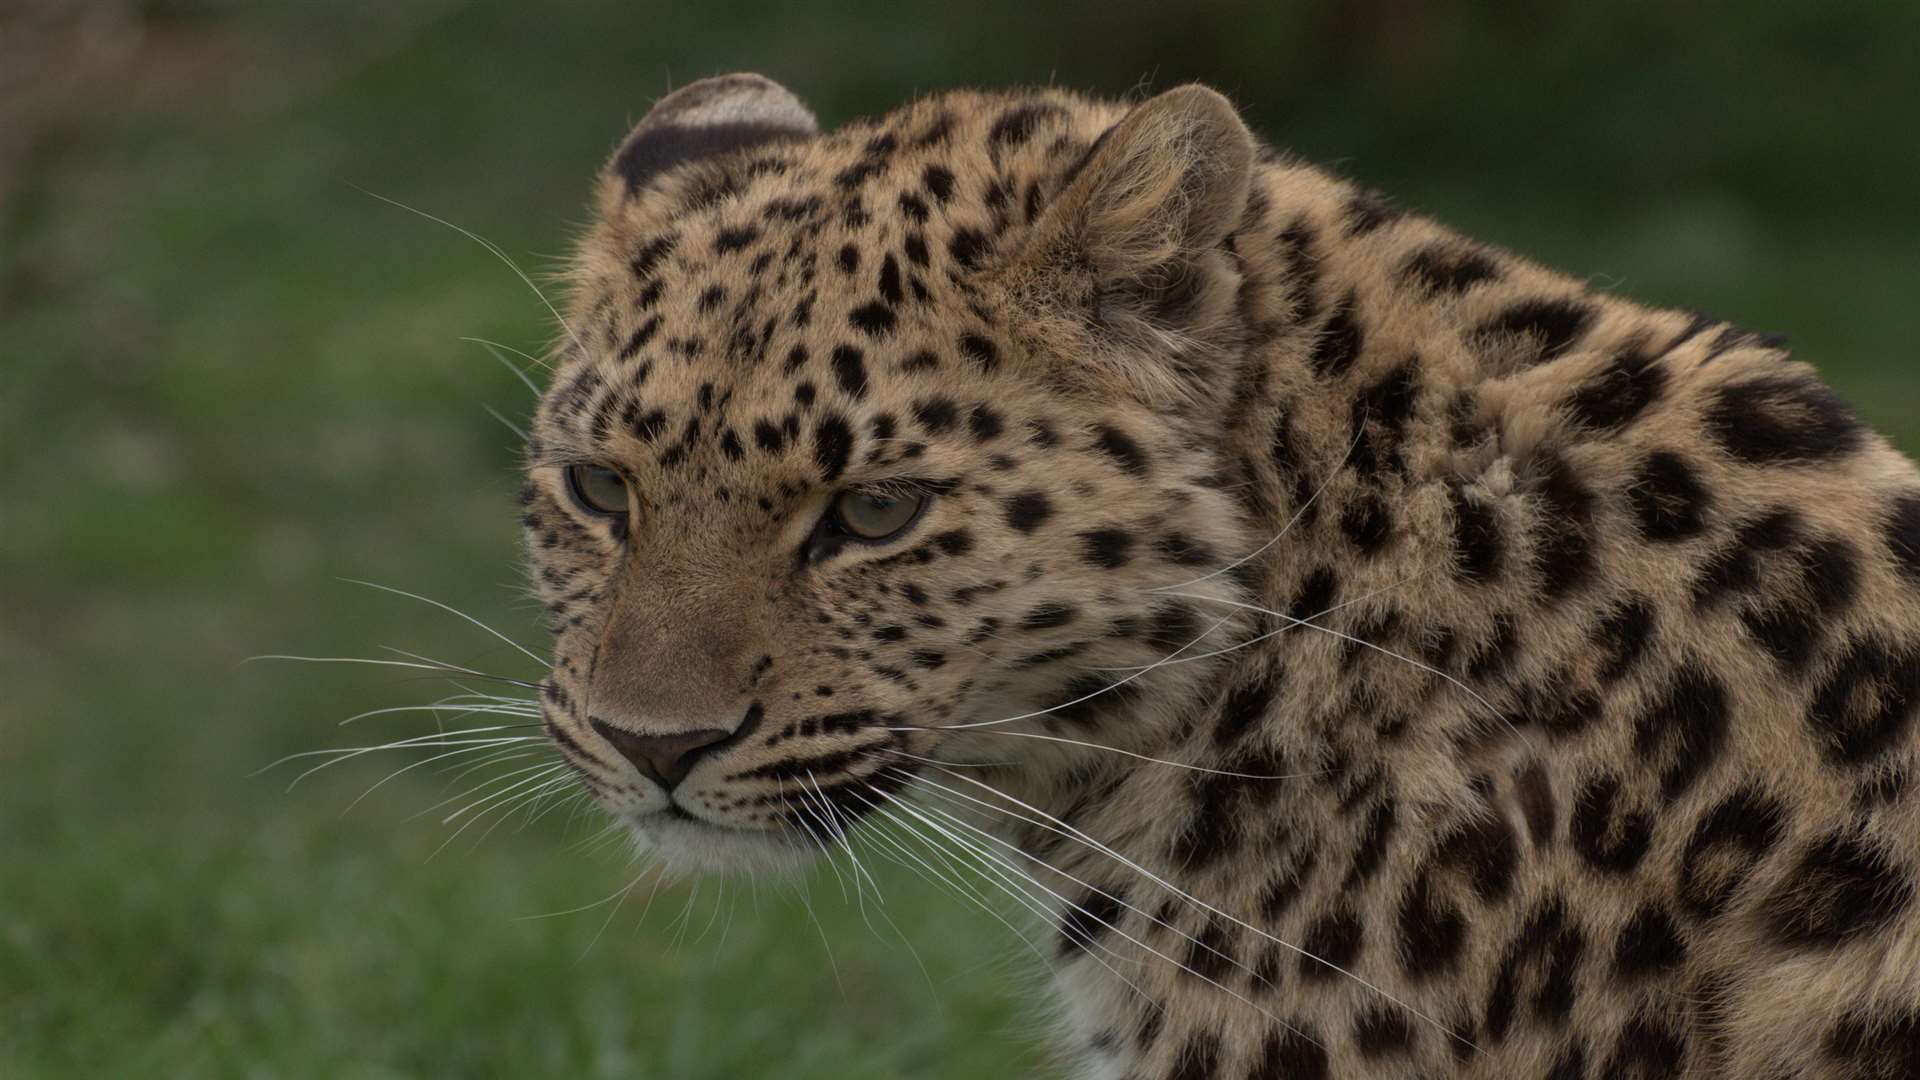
(811, 511)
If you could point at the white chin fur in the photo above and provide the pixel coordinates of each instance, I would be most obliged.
(691, 847)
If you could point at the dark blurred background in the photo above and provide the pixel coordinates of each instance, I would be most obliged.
(230, 377)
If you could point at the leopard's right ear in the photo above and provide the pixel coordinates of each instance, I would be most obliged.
(699, 120)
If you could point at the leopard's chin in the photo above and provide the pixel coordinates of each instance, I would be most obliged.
(687, 845)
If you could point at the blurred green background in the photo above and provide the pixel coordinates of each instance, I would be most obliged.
(229, 377)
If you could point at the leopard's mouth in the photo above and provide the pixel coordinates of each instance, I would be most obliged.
(686, 843)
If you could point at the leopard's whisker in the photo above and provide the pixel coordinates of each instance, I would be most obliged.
(499, 351)
(517, 430)
(1048, 821)
(1084, 697)
(492, 248)
(458, 669)
(1205, 769)
(1258, 638)
(989, 837)
(952, 878)
(1284, 529)
(1430, 669)
(415, 765)
(465, 709)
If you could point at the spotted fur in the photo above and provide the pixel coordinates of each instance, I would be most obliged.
(1546, 664)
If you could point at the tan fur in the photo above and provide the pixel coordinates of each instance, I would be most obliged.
(1585, 635)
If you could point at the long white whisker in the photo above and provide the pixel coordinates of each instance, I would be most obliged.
(1054, 824)
(492, 247)
(1084, 697)
(1284, 529)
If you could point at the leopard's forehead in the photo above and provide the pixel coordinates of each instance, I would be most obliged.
(806, 308)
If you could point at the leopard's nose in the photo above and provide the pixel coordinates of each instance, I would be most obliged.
(666, 758)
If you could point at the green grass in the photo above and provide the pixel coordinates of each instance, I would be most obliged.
(231, 378)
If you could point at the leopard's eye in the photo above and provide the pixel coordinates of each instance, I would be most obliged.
(598, 489)
(876, 517)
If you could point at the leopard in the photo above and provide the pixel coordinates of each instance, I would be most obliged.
(1358, 650)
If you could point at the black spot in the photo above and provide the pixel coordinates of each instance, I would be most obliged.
(1432, 932)
(643, 334)
(1877, 1047)
(1779, 420)
(1903, 535)
(1120, 446)
(1332, 940)
(1866, 703)
(1373, 844)
(832, 445)
(1315, 597)
(1339, 342)
(850, 371)
(1382, 1030)
(1245, 707)
(1107, 548)
(1646, 1050)
(1477, 544)
(1367, 523)
(1367, 211)
(1083, 924)
(1622, 635)
(1446, 268)
(1552, 325)
(1494, 656)
(1028, 510)
(1548, 947)
(1618, 395)
(984, 422)
(979, 350)
(1290, 1053)
(1563, 552)
(1048, 616)
(875, 319)
(1650, 942)
(1613, 838)
(1736, 567)
(1183, 550)
(1726, 847)
(937, 415)
(928, 658)
(1681, 733)
(1209, 955)
(1668, 498)
(1173, 626)
(727, 241)
(1283, 889)
(1841, 888)
(1015, 126)
(643, 262)
(967, 246)
(1487, 852)
(955, 542)
(939, 181)
(890, 280)
(648, 427)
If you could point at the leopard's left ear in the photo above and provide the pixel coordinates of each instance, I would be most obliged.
(1134, 243)
(702, 119)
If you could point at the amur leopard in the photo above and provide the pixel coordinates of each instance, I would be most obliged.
(1373, 654)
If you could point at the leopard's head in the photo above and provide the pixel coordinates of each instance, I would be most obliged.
(885, 449)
